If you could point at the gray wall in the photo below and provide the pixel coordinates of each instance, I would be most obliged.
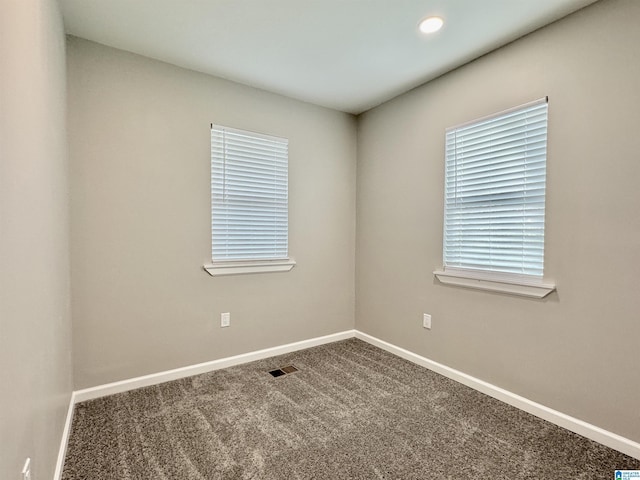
(140, 215)
(577, 350)
(35, 331)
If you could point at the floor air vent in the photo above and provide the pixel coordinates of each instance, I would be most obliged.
(283, 371)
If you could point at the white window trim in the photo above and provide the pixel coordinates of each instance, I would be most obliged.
(223, 267)
(238, 268)
(511, 283)
(495, 282)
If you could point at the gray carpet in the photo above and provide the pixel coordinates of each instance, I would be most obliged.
(352, 411)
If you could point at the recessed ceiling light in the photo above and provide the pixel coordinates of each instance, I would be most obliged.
(431, 24)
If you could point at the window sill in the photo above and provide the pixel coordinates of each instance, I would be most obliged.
(240, 268)
(490, 283)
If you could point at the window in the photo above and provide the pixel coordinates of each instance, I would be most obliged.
(249, 202)
(495, 184)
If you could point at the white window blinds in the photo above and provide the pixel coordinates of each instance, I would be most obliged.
(495, 192)
(249, 195)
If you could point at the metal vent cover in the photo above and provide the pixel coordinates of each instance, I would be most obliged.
(278, 372)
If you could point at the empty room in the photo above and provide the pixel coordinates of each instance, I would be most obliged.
(358, 239)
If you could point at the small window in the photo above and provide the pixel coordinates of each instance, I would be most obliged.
(495, 183)
(249, 202)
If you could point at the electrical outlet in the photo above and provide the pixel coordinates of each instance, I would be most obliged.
(26, 470)
(426, 321)
(225, 319)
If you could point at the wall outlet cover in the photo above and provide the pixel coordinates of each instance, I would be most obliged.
(26, 470)
(426, 321)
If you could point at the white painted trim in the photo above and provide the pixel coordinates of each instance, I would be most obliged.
(612, 440)
(175, 374)
(66, 431)
(239, 268)
(494, 284)
(609, 439)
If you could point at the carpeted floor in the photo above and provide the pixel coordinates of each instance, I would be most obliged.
(352, 411)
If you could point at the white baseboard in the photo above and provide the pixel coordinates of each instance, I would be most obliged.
(175, 374)
(575, 425)
(66, 431)
(611, 440)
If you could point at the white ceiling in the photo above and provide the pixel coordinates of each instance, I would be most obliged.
(349, 55)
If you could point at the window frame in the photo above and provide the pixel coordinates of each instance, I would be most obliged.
(530, 285)
(230, 266)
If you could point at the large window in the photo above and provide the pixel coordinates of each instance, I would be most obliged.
(495, 183)
(249, 202)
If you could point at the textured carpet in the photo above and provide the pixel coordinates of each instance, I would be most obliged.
(352, 411)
